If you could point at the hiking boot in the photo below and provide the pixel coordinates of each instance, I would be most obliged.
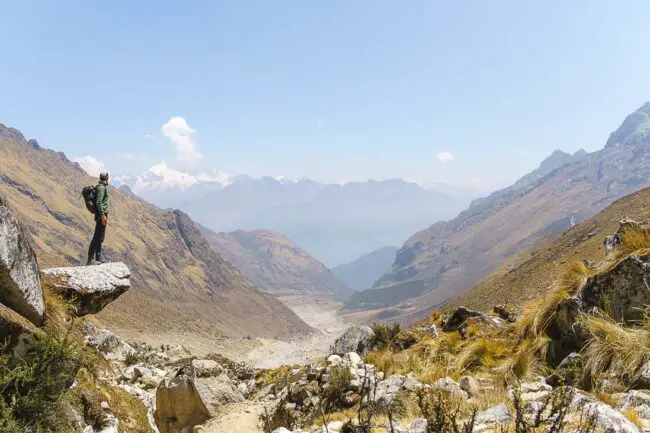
(101, 259)
(90, 262)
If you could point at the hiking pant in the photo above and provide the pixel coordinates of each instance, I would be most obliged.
(95, 250)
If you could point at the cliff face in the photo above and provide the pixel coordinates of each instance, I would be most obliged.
(448, 258)
(180, 284)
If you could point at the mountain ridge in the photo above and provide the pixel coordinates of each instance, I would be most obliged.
(448, 258)
(363, 272)
(180, 284)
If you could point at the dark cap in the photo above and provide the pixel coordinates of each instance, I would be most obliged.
(103, 176)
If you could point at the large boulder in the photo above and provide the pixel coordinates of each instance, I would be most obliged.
(356, 339)
(194, 395)
(89, 288)
(18, 332)
(111, 346)
(621, 290)
(20, 285)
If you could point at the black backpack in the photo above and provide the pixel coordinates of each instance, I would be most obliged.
(88, 193)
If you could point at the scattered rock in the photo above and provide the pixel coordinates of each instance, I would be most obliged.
(642, 380)
(493, 417)
(20, 285)
(106, 342)
(457, 319)
(504, 313)
(90, 288)
(355, 339)
(470, 386)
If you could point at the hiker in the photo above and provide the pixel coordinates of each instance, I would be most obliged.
(101, 216)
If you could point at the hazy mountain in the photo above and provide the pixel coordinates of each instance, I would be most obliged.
(363, 272)
(450, 257)
(334, 223)
(275, 264)
(180, 285)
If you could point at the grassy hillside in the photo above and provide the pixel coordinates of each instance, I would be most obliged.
(180, 284)
(275, 264)
(529, 274)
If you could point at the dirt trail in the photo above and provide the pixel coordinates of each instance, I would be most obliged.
(244, 417)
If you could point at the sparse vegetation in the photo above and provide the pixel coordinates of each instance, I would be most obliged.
(384, 335)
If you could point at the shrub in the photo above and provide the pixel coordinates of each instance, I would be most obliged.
(384, 335)
(444, 414)
(32, 387)
(340, 380)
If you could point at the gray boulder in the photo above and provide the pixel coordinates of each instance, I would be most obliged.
(620, 291)
(356, 339)
(20, 285)
(112, 347)
(493, 417)
(90, 288)
(194, 395)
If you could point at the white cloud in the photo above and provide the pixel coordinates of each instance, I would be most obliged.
(182, 135)
(91, 165)
(445, 157)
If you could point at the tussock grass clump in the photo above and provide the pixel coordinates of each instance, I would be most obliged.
(484, 353)
(574, 277)
(633, 238)
(384, 336)
(538, 315)
(613, 348)
(527, 360)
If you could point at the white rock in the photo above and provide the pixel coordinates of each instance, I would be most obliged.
(334, 360)
(497, 415)
(90, 288)
(352, 359)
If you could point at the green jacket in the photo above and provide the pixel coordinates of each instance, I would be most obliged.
(101, 199)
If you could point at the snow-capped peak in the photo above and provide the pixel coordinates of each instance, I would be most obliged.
(161, 177)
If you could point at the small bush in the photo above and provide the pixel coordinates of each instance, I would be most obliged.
(444, 414)
(32, 388)
(385, 335)
(339, 383)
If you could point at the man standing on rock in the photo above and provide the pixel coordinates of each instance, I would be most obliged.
(102, 208)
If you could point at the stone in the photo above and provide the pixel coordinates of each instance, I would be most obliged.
(351, 359)
(620, 290)
(494, 416)
(334, 360)
(194, 395)
(450, 385)
(107, 343)
(17, 331)
(642, 379)
(607, 418)
(281, 430)
(504, 313)
(418, 426)
(470, 386)
(457, 319)
(89, 288)
(145, 374)
(20, 285)
(387, 390)
(356, 339)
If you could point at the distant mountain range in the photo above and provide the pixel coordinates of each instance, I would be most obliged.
(275, 264)
(363, 272)
(448, 258)
(334, 223)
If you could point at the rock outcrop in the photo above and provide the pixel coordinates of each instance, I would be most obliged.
(356, 338)
(20, 285)
(89, 288)
(458, 318)
(194, 395)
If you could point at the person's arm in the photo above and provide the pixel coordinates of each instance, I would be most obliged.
(100, 194)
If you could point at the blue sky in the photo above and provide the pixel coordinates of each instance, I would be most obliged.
(330, 90)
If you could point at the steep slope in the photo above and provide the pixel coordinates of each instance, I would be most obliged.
(448, 258)
(275, 264)
(361, 273)
(528, 274)
(180, 284)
